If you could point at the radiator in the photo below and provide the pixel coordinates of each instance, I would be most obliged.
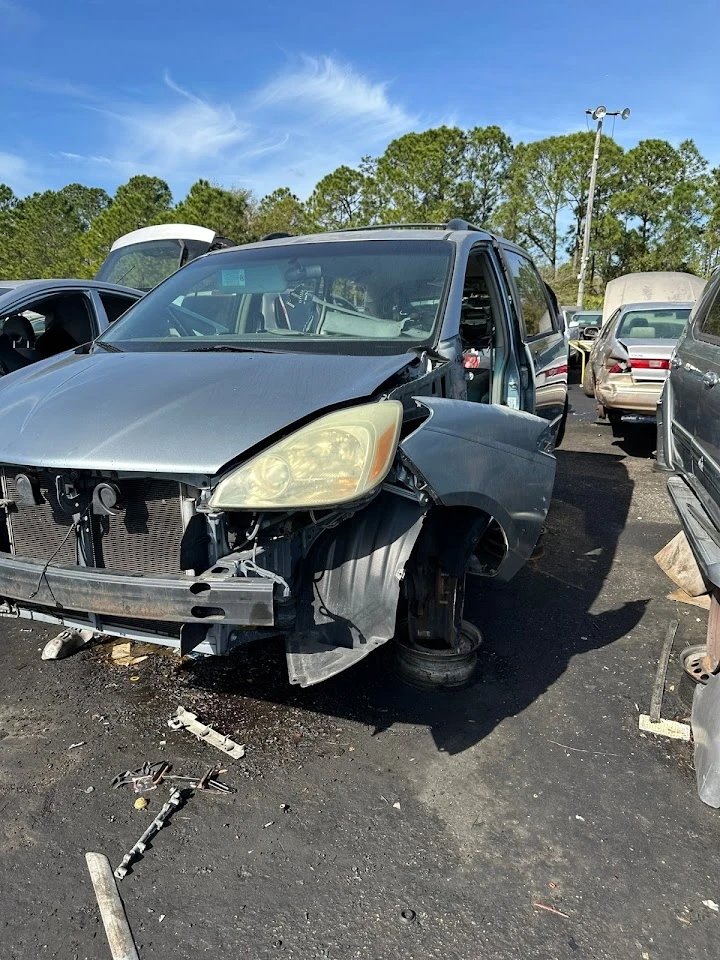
(143, 537)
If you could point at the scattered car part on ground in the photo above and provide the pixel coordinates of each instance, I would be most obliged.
(147, 256)
(112, 912)
(177, 797)
(40, 319)
(150, 775)
(183, 719)
(630, 359)
(145, 778)
(288, 440)
(654, 722)
(66, 643)
(694, 662)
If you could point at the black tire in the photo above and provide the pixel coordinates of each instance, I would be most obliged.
(588, 383)
(616, 422)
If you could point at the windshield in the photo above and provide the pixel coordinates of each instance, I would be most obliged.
(339, 296)
(145, 265)
(587, 319)
(660, 324)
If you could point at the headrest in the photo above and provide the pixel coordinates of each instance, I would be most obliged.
(17, 327)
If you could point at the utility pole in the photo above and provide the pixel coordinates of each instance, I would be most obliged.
(599, 114)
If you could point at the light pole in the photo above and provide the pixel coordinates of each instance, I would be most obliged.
(599, 114)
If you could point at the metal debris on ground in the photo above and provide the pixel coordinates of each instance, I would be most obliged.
(176, 798)
(711, 905)
(407, 916)
(73, 746)
(653, 722)
(184, 719)
(145, 778)
(117, 929)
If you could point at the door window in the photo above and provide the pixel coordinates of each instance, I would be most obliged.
(115, 305)
(478, 332)
(536, 312)
(710, 323)
(43, 328)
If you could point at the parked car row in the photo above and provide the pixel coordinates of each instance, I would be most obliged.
(309, 435)
(630, 357)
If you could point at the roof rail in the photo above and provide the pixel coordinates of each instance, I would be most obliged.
(455, 224)
(458, 224)
(391, 226)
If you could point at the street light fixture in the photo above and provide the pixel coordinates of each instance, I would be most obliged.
(599, 114)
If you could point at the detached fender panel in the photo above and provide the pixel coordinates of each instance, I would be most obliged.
(489, 457)
(351, 589)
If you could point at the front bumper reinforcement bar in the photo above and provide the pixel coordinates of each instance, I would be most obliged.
(242, 601)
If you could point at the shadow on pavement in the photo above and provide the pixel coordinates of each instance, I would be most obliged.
(638, 440)
(532, 627)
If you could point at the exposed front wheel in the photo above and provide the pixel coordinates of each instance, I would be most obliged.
(439, 648)
(435, 665)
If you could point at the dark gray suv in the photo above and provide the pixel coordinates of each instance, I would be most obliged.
(689, 437)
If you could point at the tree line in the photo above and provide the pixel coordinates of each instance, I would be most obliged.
(657, 205)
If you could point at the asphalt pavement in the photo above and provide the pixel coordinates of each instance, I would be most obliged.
(523, 817)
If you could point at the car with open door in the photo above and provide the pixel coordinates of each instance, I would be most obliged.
(310, 435)
(630, 359)
(145, 257)
(42, 318)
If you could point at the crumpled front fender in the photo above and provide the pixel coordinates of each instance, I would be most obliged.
(351, 588)
(489, 457)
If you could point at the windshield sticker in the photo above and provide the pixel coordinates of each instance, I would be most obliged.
(233, 278)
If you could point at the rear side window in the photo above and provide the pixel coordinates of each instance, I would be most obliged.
(710, 324)
(531, 290)
(115, 306)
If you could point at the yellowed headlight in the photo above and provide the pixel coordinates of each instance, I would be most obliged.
(338, 458)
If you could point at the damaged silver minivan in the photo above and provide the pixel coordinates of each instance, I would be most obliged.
(315, 436)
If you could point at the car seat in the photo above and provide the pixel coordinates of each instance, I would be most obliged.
(68, 327)
(21, 335)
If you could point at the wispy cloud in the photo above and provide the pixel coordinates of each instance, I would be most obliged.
(175, 136)
(313, 116)
(336, 92)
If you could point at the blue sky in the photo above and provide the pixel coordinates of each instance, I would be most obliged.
(278, 93)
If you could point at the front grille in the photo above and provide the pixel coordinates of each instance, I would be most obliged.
(42, 531)
(143, 537)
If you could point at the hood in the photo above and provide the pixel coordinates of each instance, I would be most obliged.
(176, 413)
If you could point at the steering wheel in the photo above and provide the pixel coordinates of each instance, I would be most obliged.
(179, 313)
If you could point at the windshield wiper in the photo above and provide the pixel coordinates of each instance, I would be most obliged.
(227, 348)
(110, 347)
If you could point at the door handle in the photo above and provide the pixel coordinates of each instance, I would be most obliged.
(710, 379)
(675, 363)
